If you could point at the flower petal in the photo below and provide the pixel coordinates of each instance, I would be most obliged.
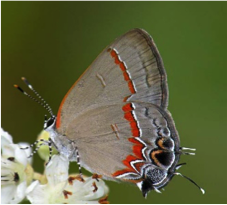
(45, 194)
(14, 170)
(20, 155)
(7, 192)
(35, 193)
(6, 165)
(57, 170)
(8, 150)
(20, 193)
(89, 191)
(27, 151)
(6, 138)
(13, 150)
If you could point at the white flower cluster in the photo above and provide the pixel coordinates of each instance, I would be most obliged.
(56, 186)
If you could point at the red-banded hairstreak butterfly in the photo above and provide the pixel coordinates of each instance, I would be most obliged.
(114, 119)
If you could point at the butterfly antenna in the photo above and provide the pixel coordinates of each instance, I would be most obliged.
(180, 165)
(179, 174)
(42, 102)
(45, 119)
(38, 95)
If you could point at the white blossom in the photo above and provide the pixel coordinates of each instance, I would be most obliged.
(16, 172)
(54, 186)
(62, 188)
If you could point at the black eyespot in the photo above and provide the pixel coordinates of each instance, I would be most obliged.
(164, 143)
(165, 158)
(168, 143)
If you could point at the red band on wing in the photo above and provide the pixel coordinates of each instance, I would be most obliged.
(117, 61)
(120, 172)
(138, 165)
(126, 98)
(127, 108)
(113, 53)
(135, 129)
(137, 148)
(127, 161)
(126, 76)
(133, 140)
(137, 151)
(129, 116)
(122, 66)
(129, 168)
(131, 87)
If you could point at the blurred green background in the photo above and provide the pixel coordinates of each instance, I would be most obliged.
(52, 43)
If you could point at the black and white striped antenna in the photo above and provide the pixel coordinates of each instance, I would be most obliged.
(40, 99)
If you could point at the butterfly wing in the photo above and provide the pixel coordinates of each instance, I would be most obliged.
(112, 138)
(115, 111)
(130, 69)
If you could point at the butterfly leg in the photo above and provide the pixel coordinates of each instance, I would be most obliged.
(50, 151)
(78, 162)
(37, 148)
(96, 176)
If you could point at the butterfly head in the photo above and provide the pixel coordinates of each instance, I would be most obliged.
(49, 123)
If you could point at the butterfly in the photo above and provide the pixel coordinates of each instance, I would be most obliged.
(114, 120)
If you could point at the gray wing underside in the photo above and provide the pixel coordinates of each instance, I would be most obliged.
(93, 108)
(102, 149)
(103, 82)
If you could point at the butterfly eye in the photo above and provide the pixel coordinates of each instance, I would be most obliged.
(49, 122)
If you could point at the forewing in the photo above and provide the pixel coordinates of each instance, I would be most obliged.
(130, 69)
